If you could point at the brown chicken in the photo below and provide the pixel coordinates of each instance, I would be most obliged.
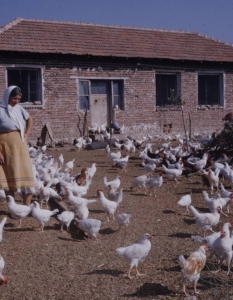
(82, 177)
(192, 266)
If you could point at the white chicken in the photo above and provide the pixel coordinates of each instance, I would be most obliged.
(65, 218)
(139, 181)
(213, 178)
(3, 279)
(17, 211)
(186, 201)
(46, 193)
(60, 160)
(200, 164)
(114, 183)
(216, 201)
(82, 211)
(224, 192)
(107, 150)
(76, 201)
(206, 220)
(136, 253)
(69, 165)
(123, 219)
(90, 226)
(149, 168)
(222, 247)
(115, 195)
(114, 155)
(208, 240)
(78, 190)
(109, 206)
(192, 266)
(2, 194)
(154, 183)
(2, 223)
(42, 215)
(173, 173)
(91, 171)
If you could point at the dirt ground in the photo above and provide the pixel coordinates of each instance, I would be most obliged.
(56, 265)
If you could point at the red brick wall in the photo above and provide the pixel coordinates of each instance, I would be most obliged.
(139, 117)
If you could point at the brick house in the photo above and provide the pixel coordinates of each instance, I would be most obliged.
(66, 69)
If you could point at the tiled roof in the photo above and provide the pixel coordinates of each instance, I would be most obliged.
(40, 36)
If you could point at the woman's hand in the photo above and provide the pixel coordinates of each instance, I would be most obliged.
(2, 161)
(26, 136)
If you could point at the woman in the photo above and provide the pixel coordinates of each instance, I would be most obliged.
(15, 165)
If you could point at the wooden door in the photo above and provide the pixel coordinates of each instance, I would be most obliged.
(99, 109)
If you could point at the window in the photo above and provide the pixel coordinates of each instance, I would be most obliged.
(29, 81)
(164, 84)
(84, 94)
(117, 87)
(112, 88)
(210, 89)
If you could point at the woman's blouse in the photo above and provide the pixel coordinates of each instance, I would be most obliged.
(6, 123)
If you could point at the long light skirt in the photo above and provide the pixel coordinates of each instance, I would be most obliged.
(16, 173)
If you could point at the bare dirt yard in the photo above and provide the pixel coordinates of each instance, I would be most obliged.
(63, 265)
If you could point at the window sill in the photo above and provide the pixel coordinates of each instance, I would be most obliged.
(32, 105)
(212, 107)
(168, 108)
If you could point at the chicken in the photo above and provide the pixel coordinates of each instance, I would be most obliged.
(69, 165)
(222, 247)
(3, 279)
(121, 163)
(200, 164)
(46, 193)
(123, 219)
(139, 181)
(42, 215)
(136, 253)
(208, 240)
(224, 192)
(78, 190)
(60, 160)
(172, 173)
(213, 179)
(149, 167)
(114, 183)
(114, 195)
(82, 211)
(186, 201)
(17, 211)
(65, 218)
(192, 267)
(91, 171)
(114, 155)
(154, 183)
(107, 150)
(2, 194)
(77, 201)
(90, 226)
(177, 165)
(2, 223)
(206, 220)
(109, 206)
(216, 201)
(81, 177)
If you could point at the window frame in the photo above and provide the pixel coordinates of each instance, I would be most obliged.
(178, 88)
(39, 80)
(110, 91)
(221, 88)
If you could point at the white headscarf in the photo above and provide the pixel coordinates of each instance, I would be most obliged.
(13, 113)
